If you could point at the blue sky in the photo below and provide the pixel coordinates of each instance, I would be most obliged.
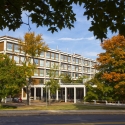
(77, 40)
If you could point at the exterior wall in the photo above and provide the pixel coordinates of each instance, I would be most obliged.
(73, 64)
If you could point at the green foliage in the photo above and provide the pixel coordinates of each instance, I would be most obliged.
(66, 78)
(105, 15)
(58, 14)
(53, 84)
(12, 77)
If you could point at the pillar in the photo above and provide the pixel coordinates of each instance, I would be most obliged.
(74, 94)
(84, 91)
(65, 94)
(22, 94)
(57, 95)
(34, 93)
(41, 92)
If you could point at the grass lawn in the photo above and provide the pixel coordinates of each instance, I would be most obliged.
(66, 106)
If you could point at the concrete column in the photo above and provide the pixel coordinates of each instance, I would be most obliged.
(57, 95)
(49, 94)
(65, 94)
(84, 91)
(22, 94)
(41, 92)
(34, 93)
(74, 94)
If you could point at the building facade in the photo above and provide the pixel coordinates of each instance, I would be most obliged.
(73, 64)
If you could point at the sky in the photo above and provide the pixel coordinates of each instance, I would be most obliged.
(77, 40)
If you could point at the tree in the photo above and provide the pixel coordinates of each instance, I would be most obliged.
(53, 83)
(105, 15)
(111, 65)
(66, 78)
(12, 77)
(32, 46)
(58, 14)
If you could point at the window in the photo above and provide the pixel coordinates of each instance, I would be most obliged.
(47, 72)
(77, 61)
(36, 61)
(10, 46)
(42, 54)
(48, 55)
(16, 48)
(52, 64)
(69, 67)
(73, 68)
(73, 60)
(65, 66)
(35, 72)
(52, 56)
(57, 73)
(41, 72)
(57, 56)
(42, 63)
(22, 59)
(76, 68)
(57, 64)
(65, 58)
(16, 58)
(62, 57)
(48, 64)
(69, 59)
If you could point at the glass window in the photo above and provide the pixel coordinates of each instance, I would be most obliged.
(65, 58)
(76, 67)
(73, 75)
(88, 69)
(35, 72)
(57, 73)
(36, 61)
(57, 56)
(73, 68)
(16, 58)
(41, 62)
(22, 59)
(69, 67)
(76, 75)
(42, 54)
(69, 59)
(52, 64)
(52, 56)
(16, 48)
(41, 72)
(61, 65)
(56, 64)
(48, 64)
(73, 60)
(65, 66)
(62, 57)
(10, 46)
(77, 61)
(47, 72)
(48, 55)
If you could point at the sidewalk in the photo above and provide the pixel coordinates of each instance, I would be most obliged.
(58, 112)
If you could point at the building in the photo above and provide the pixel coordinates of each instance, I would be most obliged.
(73, 64)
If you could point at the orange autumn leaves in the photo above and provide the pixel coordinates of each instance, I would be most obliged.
(112, 62)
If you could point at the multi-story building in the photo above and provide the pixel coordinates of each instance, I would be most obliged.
(72, 64)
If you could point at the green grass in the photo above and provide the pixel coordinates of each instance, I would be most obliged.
(64, 107)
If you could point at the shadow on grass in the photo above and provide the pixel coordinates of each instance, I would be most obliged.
(7, 107)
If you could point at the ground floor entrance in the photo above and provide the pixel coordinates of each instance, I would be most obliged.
(66, 93)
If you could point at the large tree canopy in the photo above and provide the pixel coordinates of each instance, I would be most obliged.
(57, 14)
(111, 65)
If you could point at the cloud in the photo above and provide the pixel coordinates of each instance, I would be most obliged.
(75, 39)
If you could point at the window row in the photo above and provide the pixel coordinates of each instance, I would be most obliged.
(51, 55)
(15, 48)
